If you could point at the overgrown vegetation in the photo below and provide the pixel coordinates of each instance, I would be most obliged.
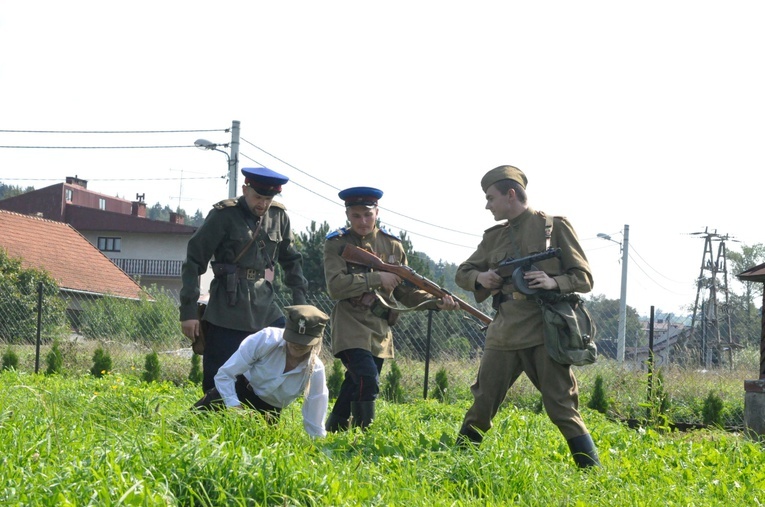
(392, 389)
(54, 359)
(335, 378)
(118, 438)
(10, 359)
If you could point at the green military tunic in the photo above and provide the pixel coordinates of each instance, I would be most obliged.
(353, 326)
(518, 323)
(224, 234)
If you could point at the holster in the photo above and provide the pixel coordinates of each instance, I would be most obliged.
(228, 273)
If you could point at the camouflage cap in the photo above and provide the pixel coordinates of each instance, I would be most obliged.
(503, 172)
(305, 324)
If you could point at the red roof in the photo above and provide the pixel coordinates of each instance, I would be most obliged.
(64, 253)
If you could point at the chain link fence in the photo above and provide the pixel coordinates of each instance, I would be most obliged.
(35, 319)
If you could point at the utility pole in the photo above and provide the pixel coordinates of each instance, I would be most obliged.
(233, 160)
(622, 332)
(621, 340)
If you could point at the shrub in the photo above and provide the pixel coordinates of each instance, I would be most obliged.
(392, 390)
(335, 379)
(10, 360)
(151, 367)
(598, 400)
(102, 363)
(195, 375)
(713, 409)
(54, 359)
(442, 385)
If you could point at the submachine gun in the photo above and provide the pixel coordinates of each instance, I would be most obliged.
(356, 255)
(515, 268)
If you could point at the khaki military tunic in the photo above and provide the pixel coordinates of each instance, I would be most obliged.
(518, 323)
(353, 326)
(224, 234)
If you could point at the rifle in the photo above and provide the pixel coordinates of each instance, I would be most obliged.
(515, 268)
(356, 255)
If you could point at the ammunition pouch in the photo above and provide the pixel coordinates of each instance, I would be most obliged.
(568, 328)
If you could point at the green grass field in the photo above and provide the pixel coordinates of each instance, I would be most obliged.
(119, 441)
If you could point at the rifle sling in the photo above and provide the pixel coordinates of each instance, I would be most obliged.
(398, 307)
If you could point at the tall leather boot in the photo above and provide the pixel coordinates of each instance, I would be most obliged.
(584, 452)
(362, 414)
(335, 423)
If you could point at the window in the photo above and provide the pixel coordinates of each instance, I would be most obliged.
(109, 244)
(101, 203)
(68, 195)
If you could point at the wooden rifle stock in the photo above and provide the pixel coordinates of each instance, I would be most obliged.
(356, 255)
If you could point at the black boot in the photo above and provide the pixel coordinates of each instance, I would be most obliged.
(335, 423)
(468, 437)
(362, 413)
(584, 452)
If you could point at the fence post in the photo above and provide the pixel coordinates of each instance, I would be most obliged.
(427, 355)
(39, 325)
(650, 362)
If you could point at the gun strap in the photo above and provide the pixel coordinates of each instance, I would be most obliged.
(548, 231)
(248, 220)
(398, 306)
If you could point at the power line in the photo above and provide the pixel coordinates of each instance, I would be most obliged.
(94, 147)
(110, 131)
(381, 207)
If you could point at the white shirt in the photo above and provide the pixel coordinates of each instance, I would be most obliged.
(261, 358)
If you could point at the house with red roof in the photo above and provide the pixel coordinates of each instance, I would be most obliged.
(149, 251)
(78, 267)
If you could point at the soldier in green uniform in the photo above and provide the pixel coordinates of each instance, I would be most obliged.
(361, 325)
(246, 237)
(515, 339)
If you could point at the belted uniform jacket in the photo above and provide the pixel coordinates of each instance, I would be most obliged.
(518, 322)
(353, 326)
(224, 234)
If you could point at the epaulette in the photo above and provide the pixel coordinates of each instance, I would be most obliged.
(226, 203)
(388, 233)
(498, 226)
(278, 205)
(338, 233)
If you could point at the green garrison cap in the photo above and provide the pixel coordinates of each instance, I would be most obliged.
(305, 324)
(503, 172)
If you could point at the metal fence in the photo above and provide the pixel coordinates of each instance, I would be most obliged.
(34, 321)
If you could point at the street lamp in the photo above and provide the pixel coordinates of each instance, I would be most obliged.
(204, 144)
(624, 246)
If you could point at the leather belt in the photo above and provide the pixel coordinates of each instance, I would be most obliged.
(518, 296)
(249, 273)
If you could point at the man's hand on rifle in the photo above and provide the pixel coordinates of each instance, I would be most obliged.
(448, 303)
(539, 280)
(389, 281)
(489, 279)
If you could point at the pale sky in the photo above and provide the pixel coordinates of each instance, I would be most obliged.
(645, 113)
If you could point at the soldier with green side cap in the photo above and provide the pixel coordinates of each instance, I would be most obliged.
(515, 338)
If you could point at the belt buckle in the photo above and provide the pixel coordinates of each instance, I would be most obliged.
(519, 296)
(252, 274)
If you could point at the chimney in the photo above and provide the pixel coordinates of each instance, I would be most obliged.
(77, 181)
(139, 206)
(139, 209)
(176, 218)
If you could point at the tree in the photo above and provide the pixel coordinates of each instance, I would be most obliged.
(605, 314)
(19, 287)
(745, 318)
(311, 245)
(12, 191)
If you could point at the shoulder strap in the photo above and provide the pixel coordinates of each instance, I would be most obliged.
(548, 230)
(252, 239)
